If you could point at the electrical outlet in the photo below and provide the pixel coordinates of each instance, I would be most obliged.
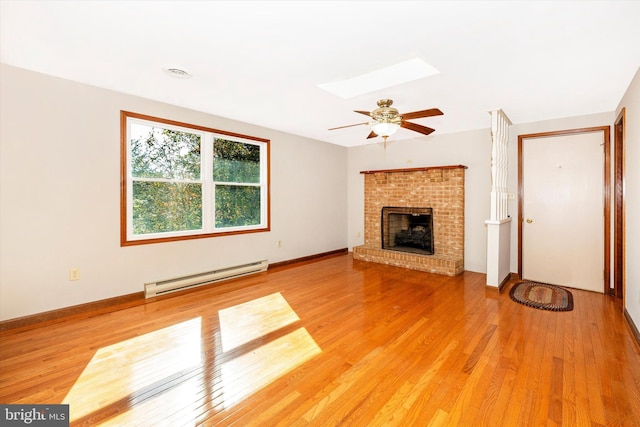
(74, 274)
(279, 243)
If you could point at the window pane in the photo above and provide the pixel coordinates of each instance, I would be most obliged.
(237, 205)
(164, 153)
(162, 206)
(235, 162)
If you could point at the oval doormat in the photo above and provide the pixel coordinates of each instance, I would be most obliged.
(542, 296)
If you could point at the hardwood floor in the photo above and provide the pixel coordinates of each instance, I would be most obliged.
(333, 342)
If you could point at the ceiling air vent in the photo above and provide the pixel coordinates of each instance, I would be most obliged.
(178, 73)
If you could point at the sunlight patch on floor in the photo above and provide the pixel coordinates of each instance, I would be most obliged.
(176, 406)
(129, 368)
(162, 375)
(246, 322)
(258, 366)
(252, 371)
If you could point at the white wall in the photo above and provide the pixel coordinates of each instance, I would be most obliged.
(631, 103)
(60, 197)
(472, 149)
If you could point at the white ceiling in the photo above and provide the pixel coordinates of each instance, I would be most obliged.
(260, 62)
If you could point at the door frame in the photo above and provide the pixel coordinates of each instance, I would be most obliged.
(618, 207)
(606, 130)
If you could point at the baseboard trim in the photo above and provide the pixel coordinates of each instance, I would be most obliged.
(119, 302)
(308, 258)
(510, 277)
(60, 314)
(632, 326)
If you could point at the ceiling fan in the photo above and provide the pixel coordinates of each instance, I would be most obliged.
(387, 120)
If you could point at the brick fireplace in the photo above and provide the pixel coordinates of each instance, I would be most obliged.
(439, 188)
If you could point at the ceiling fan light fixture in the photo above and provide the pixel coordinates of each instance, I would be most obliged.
(385, 128)
(387, 120)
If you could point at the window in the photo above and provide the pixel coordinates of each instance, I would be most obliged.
(182, 181)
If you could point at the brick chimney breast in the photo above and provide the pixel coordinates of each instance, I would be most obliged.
(440, 188)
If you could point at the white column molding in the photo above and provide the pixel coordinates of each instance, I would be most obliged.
(499, 164)
(499, 225)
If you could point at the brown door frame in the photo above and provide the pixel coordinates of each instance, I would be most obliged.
(606, 192)
(618, 203)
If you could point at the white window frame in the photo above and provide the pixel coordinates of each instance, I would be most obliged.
(208, 136)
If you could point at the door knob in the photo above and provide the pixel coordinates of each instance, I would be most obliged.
(529, 220)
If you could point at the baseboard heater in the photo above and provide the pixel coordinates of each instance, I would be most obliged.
(163, 287)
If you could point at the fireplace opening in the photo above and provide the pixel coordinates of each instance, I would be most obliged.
(407, 229)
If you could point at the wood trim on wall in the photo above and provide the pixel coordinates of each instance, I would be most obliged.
(506, 282)
(619, 255)
(308, 258)
(54, 316)
(413, 169)
(120, 302)
(606, 192)
(632, 326)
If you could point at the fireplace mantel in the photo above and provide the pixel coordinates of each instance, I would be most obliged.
(427, 168)
(438, 187)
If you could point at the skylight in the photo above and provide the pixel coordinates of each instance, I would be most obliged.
(393, 75)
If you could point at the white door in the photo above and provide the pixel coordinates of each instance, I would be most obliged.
(563, 211)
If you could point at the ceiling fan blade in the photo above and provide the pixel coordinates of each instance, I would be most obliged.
(348, 126)
(366, 113)
(416, 127)
(423, 113)
(372, 135)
